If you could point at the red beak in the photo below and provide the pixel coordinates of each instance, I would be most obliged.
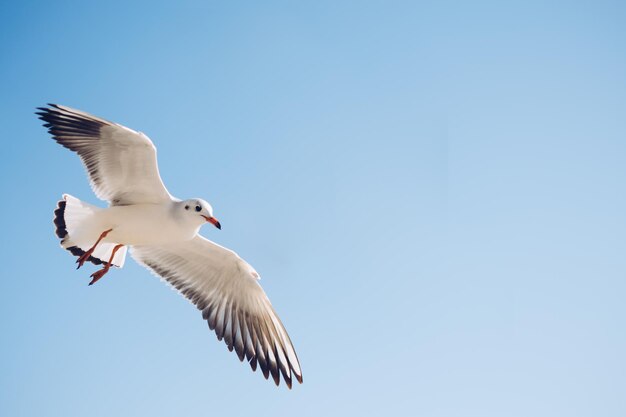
(213, 221)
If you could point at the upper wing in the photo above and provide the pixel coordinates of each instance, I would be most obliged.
(225, 288)
(121, 163)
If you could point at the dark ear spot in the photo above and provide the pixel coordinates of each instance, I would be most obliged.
(186, 207)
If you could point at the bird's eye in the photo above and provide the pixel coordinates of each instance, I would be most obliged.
(198, 208)
(186, 207)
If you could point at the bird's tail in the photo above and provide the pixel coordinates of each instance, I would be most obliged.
(72, 220)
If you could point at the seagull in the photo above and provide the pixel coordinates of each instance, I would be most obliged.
(162, 234)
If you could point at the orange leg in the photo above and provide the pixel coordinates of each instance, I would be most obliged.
(99, 274)
(85, 256)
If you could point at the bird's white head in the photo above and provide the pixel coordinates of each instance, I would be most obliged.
(199, 210)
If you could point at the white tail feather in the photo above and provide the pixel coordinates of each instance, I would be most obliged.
(78, 230)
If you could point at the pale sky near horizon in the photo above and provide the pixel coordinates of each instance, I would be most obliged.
(432, 192)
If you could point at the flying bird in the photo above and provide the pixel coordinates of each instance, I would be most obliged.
(161, 232)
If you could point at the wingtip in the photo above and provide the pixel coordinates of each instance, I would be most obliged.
(276, 376)
(42, 113)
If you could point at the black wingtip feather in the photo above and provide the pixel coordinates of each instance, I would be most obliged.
(65, 126)
(253, 364)
(59, 219)
(275, 375)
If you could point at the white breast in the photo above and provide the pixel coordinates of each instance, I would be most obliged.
(146, 224)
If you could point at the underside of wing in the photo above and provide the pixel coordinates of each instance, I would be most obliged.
(121, 162)
(225, 288)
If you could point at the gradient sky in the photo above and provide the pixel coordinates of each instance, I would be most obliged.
(433, 193)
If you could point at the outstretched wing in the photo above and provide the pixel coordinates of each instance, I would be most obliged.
(225, 288)
(121, 163)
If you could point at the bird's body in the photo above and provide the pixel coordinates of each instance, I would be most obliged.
(144, 224)
(162, 233)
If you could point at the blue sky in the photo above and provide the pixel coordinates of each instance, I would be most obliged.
(433, 193)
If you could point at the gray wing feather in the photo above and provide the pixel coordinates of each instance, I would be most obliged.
(226, 289)
(121, 163)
